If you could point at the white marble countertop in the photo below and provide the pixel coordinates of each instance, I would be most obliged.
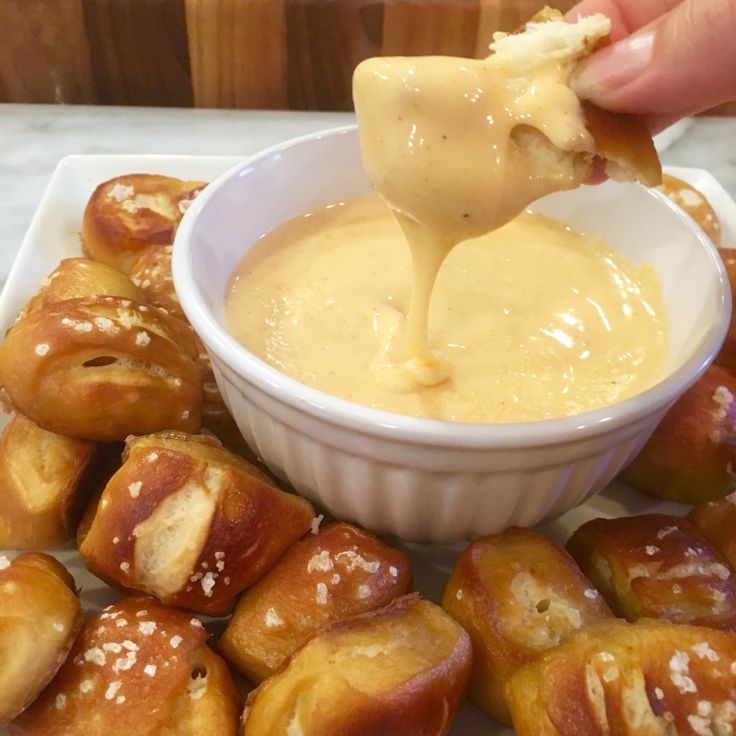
(35, 137)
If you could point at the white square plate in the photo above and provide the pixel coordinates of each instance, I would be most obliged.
(54, 234)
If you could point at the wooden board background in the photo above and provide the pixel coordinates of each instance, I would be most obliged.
(273, 54)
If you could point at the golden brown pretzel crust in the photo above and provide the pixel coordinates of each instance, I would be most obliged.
(517, 594)
(645, 679)
(657, 566)
(716, 521)
(215, 415)
(128, 213)
(214, 711)
(40, 474)
(137, 669)
(396, 671)
(338, 573)
(152, 272)
(103, 368)
(692, 454)
(694, 203)
(76, 278)
(40, 616)
(191, 523)
(727, 356)
(625, 144)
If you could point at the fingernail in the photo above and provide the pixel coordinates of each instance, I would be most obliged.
(614, 66)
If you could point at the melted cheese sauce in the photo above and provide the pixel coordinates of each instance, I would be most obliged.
(529, 322)
(447, 142)
(458, 147)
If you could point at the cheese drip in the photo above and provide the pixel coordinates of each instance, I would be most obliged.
(458, 147)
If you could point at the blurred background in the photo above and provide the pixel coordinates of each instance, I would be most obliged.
(268, 54)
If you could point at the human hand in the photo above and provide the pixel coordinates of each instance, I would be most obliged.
(669, 58)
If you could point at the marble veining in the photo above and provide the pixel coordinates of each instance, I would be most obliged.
(35, 137)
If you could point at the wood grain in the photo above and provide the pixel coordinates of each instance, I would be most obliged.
(326, 40)
(238, 53)
(44, 56)
(139, 51)
(414, 27)
(274, 54)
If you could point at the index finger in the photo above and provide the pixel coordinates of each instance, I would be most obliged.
(626, 16)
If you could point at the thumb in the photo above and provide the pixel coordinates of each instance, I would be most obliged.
(682, 63)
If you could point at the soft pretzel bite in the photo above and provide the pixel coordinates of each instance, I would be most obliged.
(621, 141)
(646, 679)
(216, 417)
(76, 278)
(137, 668)
(103, 368)
(692, 454)
(624, 144)
(554, 144)
(517, 594)
(399, 670)
(727, 355)
(694, 203)
(657, 566)
(716, 521)
(340, 572)
(40, 476)
(107, 462)
(127, 214)
(152, 273)
(190, 523)
(40, 616)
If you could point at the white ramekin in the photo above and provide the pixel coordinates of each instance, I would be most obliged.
(420, 479)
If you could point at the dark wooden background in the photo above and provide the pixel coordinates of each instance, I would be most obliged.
(283, 54)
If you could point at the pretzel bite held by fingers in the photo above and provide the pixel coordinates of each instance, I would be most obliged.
(691, 456)
(340, 572)
(190, 523)
(531, 149)
(657, 566)
(716, 521)
(399, 670)
(127, 214)
(517, 594)
(727, 355)
(40, 477)
(40, 616)
(137, 668)
(622, 145)
(650, 679)
(694, 203)
(103, 368)
(76, 278)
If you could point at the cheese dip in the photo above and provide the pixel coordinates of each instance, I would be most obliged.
(529, 322)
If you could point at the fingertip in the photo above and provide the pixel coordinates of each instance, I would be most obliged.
(604, 76)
